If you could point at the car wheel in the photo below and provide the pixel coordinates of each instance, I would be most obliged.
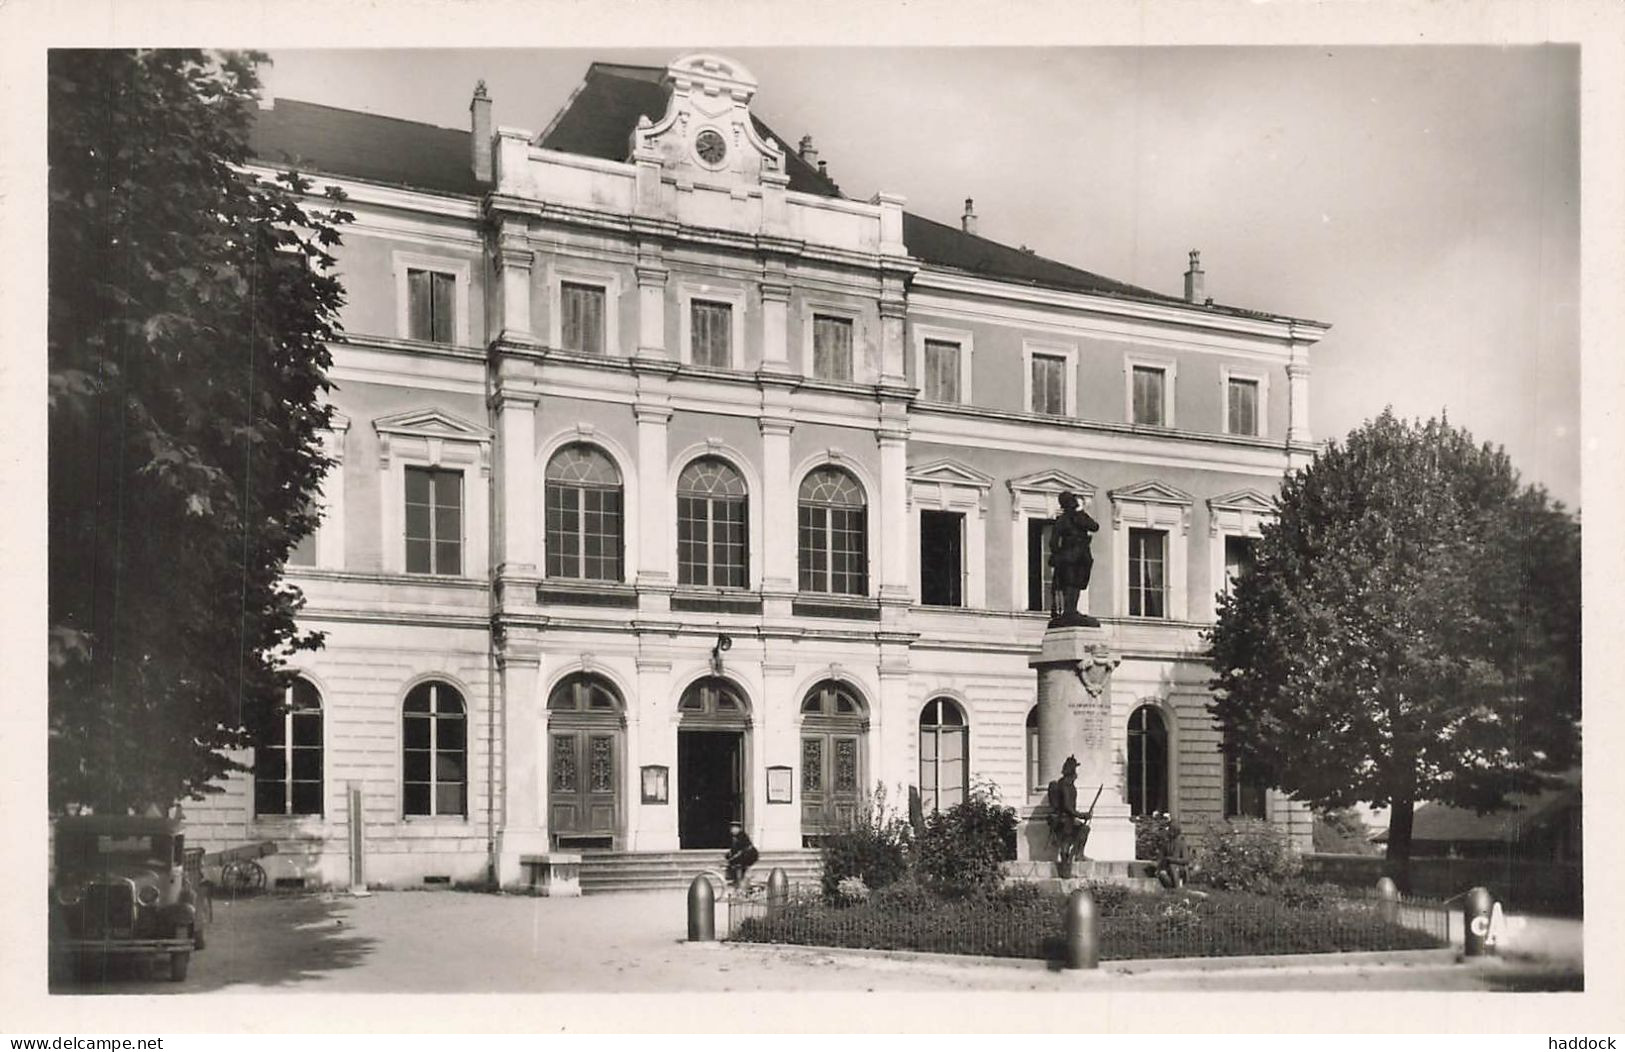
(178, 963)
(198, 940)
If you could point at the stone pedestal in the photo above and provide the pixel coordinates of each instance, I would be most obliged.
(1074, 668)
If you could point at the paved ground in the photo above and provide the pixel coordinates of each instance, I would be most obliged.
(457, 942)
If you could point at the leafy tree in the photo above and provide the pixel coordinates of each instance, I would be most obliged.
(1410, 630)
(189, 308)
(1341, 831)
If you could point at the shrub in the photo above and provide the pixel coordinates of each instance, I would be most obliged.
(1151, 835)
(1302, 895)
(1245, 854)
(905, 896)
(1110, 899)
(852, 890)
(962, 848)
(873, 848)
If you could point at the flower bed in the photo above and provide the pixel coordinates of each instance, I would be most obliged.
(1024, 922)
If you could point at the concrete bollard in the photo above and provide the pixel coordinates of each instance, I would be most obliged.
(778, 891)
(1082, 931)
(702, 910)
(1476, 927)
(1387, 901)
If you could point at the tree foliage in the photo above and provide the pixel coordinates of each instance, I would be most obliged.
(1410, 630)
(189, 309)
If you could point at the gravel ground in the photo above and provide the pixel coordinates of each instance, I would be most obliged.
(469, 943)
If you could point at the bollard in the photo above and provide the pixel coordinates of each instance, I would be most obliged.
(1476, 929)
(778, 891)
(1082, 931)
(1387, 901)
(702, 910)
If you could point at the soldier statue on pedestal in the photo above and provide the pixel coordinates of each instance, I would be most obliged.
(1071, 563)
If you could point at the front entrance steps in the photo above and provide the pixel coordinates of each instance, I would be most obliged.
(1141, 876)
(607, 871)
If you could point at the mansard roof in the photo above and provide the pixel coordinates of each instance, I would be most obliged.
(597, 121)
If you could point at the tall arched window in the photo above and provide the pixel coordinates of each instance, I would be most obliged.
(944, 755)
(834, 527)
(288, 759)
(1147, 761)
(584, 521)
(711, 525)
(1035, 776)
(434, 751)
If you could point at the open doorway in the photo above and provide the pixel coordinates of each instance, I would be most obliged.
(710, 783)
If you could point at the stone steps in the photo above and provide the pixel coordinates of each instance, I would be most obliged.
(611, 871)
(1141, 876)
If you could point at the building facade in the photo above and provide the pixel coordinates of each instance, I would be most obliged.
(673, 486)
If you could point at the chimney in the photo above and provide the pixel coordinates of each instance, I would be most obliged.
(1193, 279)
(479, 119)
(808, 151)
(967, 222)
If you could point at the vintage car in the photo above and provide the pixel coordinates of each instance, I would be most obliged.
(121, 886)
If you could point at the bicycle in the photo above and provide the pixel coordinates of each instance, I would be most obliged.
(746, 888)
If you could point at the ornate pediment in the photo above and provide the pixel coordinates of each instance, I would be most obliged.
(1240, 510)
(950, 472)
(1152, 503)
(706, 135)
(431, 423)
(1152, 492)
(1036, 493)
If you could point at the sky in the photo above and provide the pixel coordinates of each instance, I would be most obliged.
(1423, 200)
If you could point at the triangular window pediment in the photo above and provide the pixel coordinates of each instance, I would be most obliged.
(1051, 481)
(950, 473)
(1152, 492)
(431, 423)
(1244, 500)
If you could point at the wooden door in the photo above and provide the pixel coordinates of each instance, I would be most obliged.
(582, 787)
(830, 776)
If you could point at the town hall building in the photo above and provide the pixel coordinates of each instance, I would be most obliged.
(672, 486)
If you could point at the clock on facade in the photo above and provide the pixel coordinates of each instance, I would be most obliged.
(711, 146)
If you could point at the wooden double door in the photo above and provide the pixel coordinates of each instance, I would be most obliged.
(831, 781)
(583, 796)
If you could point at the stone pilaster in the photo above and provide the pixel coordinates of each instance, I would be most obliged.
(1297, 373)
(524, 822)
(654, 736)
(514, 260)
(775, 321)
(651, 276)
(779, 745)
(893, 312)
(893, 506)
(655, 578)
(778, 505)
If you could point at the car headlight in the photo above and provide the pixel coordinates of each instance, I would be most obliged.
(147, 896)
(70, 894)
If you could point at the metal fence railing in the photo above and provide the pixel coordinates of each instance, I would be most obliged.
(1129, 926)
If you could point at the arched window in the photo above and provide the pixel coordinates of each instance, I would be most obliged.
(711, 525)
(833, 524)
(584, 522)
(1035, 776)
(434, 751)
(944, 755)
(1147, 761)
(584, 693)
(288, 760)
(713, 697)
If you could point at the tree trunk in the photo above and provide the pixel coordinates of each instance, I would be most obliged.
(1398, 864)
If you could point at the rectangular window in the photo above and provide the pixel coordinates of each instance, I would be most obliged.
(429, 305)
(942, 564)
(1049, 385)
(1148, 395)
(941, 371)
(581, 324)
(1147, 595)
(711, 542)
(1243, 404)
(1238, 560)
(1038, 533)
(711, 334)
(304, 553)
(833, 550)
(434, 521)
(832, 348)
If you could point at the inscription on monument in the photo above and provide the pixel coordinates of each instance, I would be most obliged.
(1091, 718)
